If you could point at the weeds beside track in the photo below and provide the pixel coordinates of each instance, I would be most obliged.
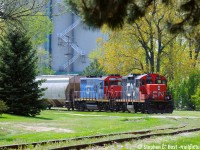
(141, 135)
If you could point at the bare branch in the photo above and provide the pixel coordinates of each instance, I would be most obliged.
(12, 12)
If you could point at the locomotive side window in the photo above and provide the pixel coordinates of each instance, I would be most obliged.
(115, 83)
(119, 83)
(124, 81)
(164, 81)
(83, 81)
(143, 82)
(112, 83)
(149, 80)
(106, 83)
(101, 85)
(137, 83)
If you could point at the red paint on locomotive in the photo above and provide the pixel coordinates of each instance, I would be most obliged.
(112, 86)
(156, 91)
(152, 86)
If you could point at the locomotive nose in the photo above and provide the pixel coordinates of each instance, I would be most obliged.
(156, 91)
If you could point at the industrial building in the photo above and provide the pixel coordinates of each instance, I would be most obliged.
(71, 40)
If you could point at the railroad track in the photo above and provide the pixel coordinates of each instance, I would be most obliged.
(142, 135)
(103, 143)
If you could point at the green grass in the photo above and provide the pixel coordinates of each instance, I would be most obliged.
(185, 141)
(70, 124)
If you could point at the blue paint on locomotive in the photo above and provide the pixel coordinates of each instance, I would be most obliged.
(91, 88)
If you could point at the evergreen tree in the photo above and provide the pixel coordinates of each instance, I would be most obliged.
(94, 69)
(115, 13)
(18, 87)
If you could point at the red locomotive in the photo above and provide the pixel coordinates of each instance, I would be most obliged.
(145, 93)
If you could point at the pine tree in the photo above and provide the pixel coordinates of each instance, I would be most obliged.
(115, 13)
(18, 87)
(94, 69)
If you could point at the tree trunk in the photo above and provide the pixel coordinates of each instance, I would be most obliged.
(158, 63)
(152, 62)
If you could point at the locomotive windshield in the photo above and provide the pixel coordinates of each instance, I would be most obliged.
(164, 81)
(115, 83)
(158, 81)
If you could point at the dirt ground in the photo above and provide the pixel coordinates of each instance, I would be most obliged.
(43, 128)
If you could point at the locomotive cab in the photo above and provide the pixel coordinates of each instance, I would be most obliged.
(153, 91)
(113, 87)
(152, 86)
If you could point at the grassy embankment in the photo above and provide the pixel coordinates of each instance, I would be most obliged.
(54, 124)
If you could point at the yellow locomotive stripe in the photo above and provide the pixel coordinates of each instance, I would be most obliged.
(106, 100)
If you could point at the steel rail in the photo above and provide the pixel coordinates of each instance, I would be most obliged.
(103, 143)
(24, 145)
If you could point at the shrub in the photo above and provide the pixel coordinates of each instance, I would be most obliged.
(196, 98)
(3, 107)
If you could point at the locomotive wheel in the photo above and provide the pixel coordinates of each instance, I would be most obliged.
(82, 106)
(112, 105)
(136, 107)
(149, 108)
(171, 106)
(100, 106)
(161, 108)
(106, 107)
(169, 109)
(124, 107)
(150, 111)
(143, 108)
(77, 106)
(117, 107)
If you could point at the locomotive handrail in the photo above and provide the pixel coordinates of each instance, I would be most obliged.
(117, 95)
(84, 95)
(128, 95)
(114, 94)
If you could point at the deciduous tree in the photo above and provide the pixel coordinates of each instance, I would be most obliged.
(12, 12)
(196, 98)
(44, 61)
(142, 45)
